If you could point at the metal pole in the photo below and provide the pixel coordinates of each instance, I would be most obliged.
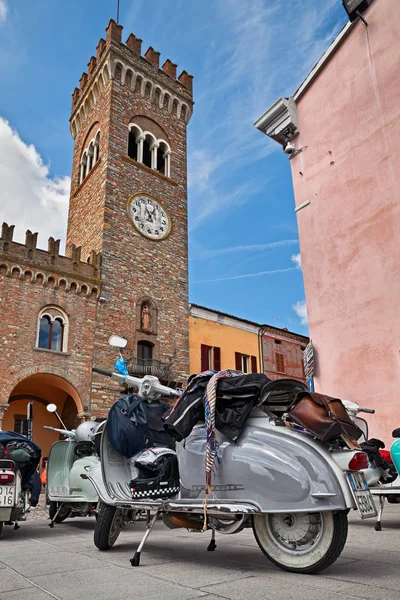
(118, 11)
(30, 420)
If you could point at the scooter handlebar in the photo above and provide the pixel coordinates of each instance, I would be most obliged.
(370, 411)
(63, 431)
(102, 371)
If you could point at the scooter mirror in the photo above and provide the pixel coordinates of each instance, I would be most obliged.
(117, 341)
(51, 408)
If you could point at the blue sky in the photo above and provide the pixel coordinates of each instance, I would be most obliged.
(243, 54)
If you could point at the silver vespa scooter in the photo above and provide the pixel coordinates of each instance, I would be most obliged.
(292, 489)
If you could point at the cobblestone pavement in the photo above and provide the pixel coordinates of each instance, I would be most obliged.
(62, 564)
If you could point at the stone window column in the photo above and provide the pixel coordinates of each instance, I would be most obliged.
(154, 149)
(96, 153)
(167, 163)
(139, 141)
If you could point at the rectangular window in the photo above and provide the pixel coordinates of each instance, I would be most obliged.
(210, 358)
(280, 362)
(21, 424)
(245, 363)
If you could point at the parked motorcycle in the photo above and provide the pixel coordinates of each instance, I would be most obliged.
(19, 460)
(68, 494)
(384, 482)
(292, 489)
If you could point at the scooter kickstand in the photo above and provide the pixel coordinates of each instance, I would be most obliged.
(51, 524)
(212, 545)
(135, 560)
(378, 526)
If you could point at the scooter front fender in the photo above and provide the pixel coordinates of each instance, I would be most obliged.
(274, 467)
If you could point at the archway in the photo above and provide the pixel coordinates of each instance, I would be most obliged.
(42, 389)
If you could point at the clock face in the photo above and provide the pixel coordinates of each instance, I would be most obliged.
(149, 217)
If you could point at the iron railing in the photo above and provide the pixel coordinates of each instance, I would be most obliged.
(149, 366)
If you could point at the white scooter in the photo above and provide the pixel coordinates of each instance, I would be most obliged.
(68, 493)
(15, 481)
(292, 489)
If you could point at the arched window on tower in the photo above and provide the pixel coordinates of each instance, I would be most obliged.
(144, 147)
(90, 157)
(52, 330)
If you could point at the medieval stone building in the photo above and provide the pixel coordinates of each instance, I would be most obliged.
(126, 264)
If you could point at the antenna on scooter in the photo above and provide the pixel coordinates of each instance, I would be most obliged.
(52, 408)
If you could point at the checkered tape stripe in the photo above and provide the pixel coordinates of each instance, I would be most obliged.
(154, 493)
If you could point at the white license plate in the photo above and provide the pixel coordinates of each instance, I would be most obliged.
(6, 496)
(362, 495)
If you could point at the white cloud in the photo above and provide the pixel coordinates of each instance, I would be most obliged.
(301, 311)
(3, 11)
(247, 275)
(248, 248)
(29, 197)
(296, 258)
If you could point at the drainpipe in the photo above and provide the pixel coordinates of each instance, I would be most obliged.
(261, 331)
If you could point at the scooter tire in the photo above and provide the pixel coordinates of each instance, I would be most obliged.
(1, 528)
(63, 514)
(321, 554)
(107, 529)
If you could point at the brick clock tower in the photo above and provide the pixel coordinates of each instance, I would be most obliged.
(129, 203)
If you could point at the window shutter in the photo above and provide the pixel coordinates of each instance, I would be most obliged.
(253, 364)
(280, 363)
(204, 358)
(238, 361)
(217, 358)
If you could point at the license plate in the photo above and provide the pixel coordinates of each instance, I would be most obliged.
(6, 496)
(362, 495)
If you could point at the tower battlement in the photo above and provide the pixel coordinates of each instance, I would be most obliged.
(125, 62)
(47, 267)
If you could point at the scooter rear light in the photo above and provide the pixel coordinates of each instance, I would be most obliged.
(359, 461)
(6, 478)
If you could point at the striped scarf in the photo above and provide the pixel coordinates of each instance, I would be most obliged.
(210, 400)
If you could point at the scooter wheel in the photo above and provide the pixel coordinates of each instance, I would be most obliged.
(108, 527)
(1, 527)
(301, 542)
(64, 513)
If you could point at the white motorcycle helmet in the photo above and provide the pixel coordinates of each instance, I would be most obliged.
(84, 432)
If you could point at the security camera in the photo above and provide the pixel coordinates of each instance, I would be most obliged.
(289, 148)
(102, 299)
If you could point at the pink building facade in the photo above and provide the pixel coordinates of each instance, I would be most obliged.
(341, 130)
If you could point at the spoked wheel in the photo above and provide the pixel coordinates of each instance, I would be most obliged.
(301, 542)
(109, 523)
(62, 515)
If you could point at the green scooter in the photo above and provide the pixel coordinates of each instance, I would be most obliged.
(68, 493)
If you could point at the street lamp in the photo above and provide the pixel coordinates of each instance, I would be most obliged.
(354, 8)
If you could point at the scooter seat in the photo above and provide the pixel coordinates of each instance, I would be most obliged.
(396, 433)
(278, 395)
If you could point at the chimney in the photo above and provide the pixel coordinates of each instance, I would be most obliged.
(169, 68)
(186, 80)
(100, 47)
(134, 43)
(113, 31)
(83, 80)
(7, 232)
(92, 65)
(153, 57)
(31, 239)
